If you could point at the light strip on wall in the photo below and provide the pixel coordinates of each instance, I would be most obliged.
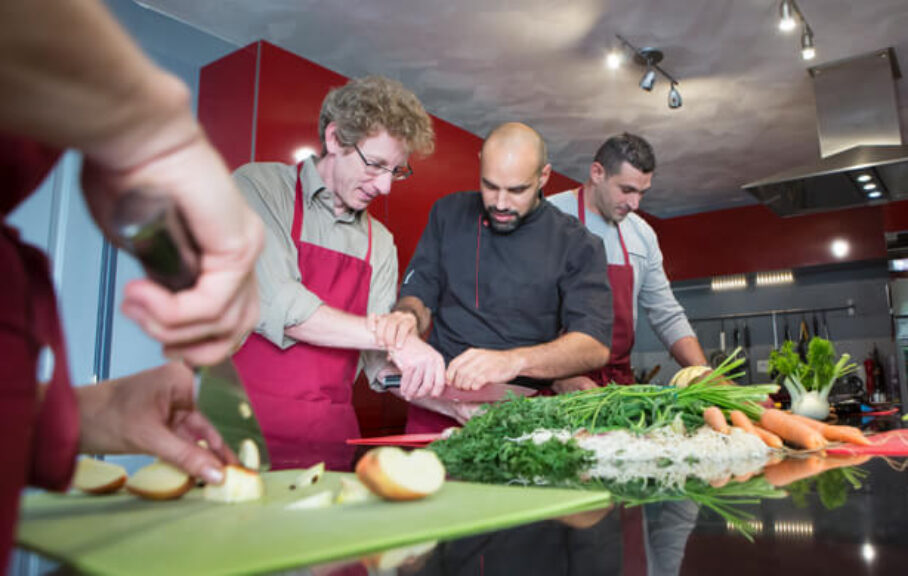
(733, 282)
(775, 278)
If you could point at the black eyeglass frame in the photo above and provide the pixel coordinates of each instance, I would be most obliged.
(398, 173)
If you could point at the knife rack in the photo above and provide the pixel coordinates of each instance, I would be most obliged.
(849, 307)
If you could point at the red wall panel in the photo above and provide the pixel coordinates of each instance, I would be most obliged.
(753, 238)
(895, 216)
(226, 97)
(291, 91)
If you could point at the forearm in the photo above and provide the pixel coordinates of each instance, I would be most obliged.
(334, 328)
(568, 355)
(415, 306)
(70, 77)
(687, 352)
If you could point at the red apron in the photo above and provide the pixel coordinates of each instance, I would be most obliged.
(38, 438)
(302, 396)
(621, 281)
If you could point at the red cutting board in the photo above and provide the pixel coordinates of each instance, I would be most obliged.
(892, 443)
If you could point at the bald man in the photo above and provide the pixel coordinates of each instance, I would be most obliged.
(512, 287)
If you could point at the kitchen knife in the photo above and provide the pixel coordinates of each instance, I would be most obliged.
(488, 393)
(153, 231)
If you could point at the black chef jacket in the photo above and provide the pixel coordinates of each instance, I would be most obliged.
(502, 291)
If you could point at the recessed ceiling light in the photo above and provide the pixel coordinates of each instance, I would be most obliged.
(840, 248)
(874, 194)
(864, 178)
(870, 186)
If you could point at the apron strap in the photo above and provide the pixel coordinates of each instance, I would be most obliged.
(296, 230)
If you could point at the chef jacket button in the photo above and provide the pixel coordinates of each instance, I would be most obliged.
(45, 365)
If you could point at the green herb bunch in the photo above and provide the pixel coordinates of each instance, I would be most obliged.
(831, 486)
(481, 451)
(643, 408)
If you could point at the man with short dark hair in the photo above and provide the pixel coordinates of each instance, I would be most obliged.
(513, 288)
(620, 175)
(328, 276)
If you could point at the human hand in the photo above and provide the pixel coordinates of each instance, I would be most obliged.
(476, 367)
(392, 330)
(422, 369)
(152, 412)
(207, 322)
(573, 384)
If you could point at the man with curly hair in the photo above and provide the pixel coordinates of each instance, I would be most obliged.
(328, 276)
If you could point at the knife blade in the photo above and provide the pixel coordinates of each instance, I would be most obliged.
(486, 394)
(154, 232)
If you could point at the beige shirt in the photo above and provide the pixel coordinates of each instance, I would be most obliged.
(270, 188)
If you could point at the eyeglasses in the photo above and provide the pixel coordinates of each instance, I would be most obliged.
(375, 169)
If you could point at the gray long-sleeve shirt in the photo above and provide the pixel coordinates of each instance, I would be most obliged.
(270, 188)
(652, 290)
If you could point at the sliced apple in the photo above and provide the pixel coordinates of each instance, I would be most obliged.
(98, 477)
(159, 481)
(397, 475)
(352, 491)
(309, 476)
(249, 454)
(239, 485)
(321, 499)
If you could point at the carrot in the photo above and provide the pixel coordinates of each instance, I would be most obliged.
(793, 469)
(848, 434)
(791, 430)
(833, 461)
(768, 437)
(716, 420)
(741, 420)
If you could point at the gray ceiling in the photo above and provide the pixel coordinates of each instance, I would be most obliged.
(748, 104)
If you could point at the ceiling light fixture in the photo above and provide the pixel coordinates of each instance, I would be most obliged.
(840, 248)
(864, 178)
(808, 50)
(648, 80)
(613, 60)
(875, 194)
(870, 186)
(789, 16)
(650, 59)
(787, 22)
(674, 97)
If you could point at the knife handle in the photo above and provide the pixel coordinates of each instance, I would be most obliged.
(153, 230)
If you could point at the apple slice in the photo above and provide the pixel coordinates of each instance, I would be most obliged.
(249, 454)
(239, 485)
(321, 499)
(309, 476)
(98, 477)
(352, 491)
(397, 475)
(159, 481)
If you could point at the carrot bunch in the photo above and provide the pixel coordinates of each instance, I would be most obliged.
(776, 427)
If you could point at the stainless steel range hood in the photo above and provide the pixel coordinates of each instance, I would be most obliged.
(864, 160)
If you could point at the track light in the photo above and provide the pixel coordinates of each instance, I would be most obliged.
(674, 98)
(787, 20)
(789, 16)
(613, 60)
(648, 80)
(650, 58)
(808, 50)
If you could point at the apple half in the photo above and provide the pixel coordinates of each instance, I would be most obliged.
(159, 481)
(98, 477)
(397, 475)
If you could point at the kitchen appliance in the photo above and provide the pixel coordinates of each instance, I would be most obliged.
(858, 129)
(151, 229)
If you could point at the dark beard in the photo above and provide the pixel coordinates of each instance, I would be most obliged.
(500, 227)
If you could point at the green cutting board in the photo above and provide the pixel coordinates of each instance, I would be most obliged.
(121, 534)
